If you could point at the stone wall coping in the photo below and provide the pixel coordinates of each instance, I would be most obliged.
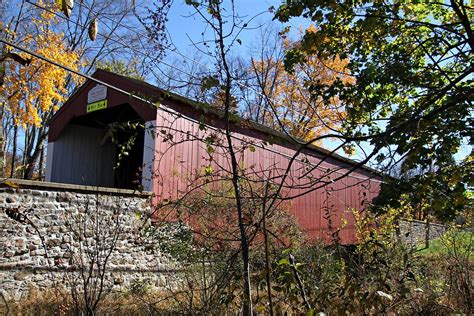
(10, 182)
(36, 268)
(415, 221)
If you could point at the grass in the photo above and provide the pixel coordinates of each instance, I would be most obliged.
(454, 242)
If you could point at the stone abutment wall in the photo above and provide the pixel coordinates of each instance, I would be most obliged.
(414, 232)
(50, 234)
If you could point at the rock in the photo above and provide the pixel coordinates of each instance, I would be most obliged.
(20, 252)
(10, 199)
(64, 197)
(23, 257)
(8, 254)
(20, 276)
(49, 206)
(118, 279)
(53, 242)
(38, 252)
(20, 243)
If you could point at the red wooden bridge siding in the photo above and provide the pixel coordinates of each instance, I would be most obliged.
(177, 162)
(175, 165)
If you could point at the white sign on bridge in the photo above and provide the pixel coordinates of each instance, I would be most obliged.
(98, 93)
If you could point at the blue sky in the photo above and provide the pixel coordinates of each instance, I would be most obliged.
(183, 25)
(184, 28)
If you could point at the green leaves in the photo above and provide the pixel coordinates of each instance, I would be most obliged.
(283, 262)
(293, 57)
(285, 11)
(410, 61)
(209, 82)
(192, 3)
(208, 170)
(210, 149)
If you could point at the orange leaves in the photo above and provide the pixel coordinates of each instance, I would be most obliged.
(31, 91)
(297, 97)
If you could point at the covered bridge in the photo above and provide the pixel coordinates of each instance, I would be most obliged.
(89, 143)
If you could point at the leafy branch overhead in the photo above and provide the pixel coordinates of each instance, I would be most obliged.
(33, 87)
(413, 65)
(299, 107)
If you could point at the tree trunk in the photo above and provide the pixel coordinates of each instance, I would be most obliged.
(12, 165)
(267, 265)
(244, 240)
(25, 154)
(32, 159)
(40, 164)
(427, 232)
(2, 160)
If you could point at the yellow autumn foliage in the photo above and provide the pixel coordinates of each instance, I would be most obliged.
(289, 93)
(34, 90)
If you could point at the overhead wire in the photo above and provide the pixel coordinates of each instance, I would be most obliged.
(176, 51)
(136, 51)
(169, 110)
(162, 107)
(174, 67)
